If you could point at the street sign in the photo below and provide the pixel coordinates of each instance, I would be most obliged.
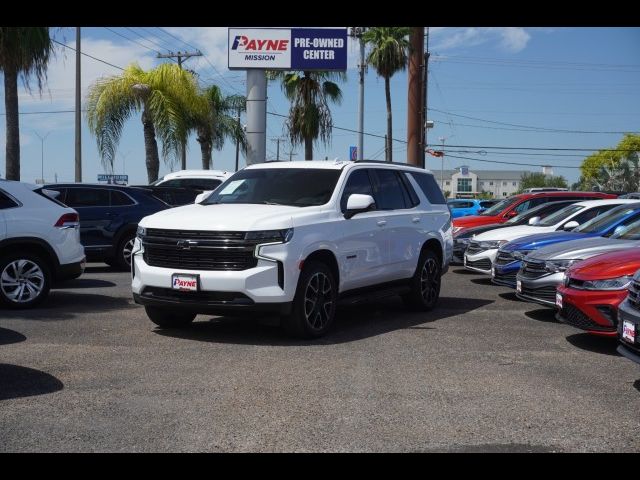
(287, 48)
(353, 153)
(107, 177)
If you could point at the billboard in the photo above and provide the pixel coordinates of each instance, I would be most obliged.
(287, 48)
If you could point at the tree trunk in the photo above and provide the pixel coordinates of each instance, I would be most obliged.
(206, 147)
(13, 124)
(387, 92)
(150, 147)
(308, 148)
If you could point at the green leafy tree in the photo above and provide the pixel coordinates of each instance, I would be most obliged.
(593, 165)
(165, 95)
(540, 180)
(309, 115)
(388, 54)
(25, 53)
(214, 120)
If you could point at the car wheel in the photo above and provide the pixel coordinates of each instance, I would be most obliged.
(314, 305)
(25, 280)
(124, 251)
(167, 318)
(425, 284)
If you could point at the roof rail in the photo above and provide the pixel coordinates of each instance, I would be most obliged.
(383, 162)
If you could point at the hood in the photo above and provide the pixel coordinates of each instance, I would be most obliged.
(469, 232)
(476, 220)
(541, 240)
(511, 233)
(608, 265)
(233, 217)
(579, 249)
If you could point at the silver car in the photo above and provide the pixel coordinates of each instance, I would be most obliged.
(543, 270)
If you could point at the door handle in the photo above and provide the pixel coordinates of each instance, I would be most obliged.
(415, 219)
(381, 223)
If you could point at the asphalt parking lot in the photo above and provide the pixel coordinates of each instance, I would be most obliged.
(483, 372)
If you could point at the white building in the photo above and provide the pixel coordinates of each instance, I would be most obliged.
(465, 183)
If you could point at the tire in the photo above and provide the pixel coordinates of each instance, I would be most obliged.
(312, 313)
(25, 280)
(425, 284)
(167, 318)
(122, 260)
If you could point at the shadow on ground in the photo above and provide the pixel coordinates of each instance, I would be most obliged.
(17, 382)
(498, 448)
(352, 323)
(636, 385)
(542, 315)
(10, 336)
(101, 268)
(463, 271)
(511, 296)
(84, 283)
(593, 343)
(483, 281)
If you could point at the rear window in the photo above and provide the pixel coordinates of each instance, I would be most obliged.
(429, 187)
(43, 193)
(6, 201)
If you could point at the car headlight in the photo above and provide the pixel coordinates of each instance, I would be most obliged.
(619, 283)
(270, 236)
(555, 266)
(489, 245)
(462, 241)
(520, 254)
(565, 279)
(141, 232)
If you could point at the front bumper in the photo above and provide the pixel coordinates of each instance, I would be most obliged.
(506, 274)
(594, 311)
(541, 290)
(480, 262)
(628, 313)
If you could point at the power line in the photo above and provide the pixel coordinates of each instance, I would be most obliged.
(131, 40)
(145, 39)
(87, 55)
(177, 38)
(512, 163)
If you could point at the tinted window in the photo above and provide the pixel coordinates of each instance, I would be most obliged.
(201, 183)
(176, 182)
(87, 197)
(559, 216)
(119, 198)
(429, 187)
(500, 207)
(408, 188)
(358, 182)
(590, 214)
(6, 202)
(389, 190)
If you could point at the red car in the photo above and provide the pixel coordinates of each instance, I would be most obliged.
(512, 206)
(593, 289)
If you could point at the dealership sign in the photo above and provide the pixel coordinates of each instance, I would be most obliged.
(288, 49)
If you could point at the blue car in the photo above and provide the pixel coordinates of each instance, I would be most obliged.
(510, 255)
(464, 207)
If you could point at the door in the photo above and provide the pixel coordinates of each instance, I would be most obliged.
(362, 243)
(93, 206)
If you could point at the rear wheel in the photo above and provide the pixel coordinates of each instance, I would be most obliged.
(168, 318)
(25, 280)
(425, 284)
(122, 259)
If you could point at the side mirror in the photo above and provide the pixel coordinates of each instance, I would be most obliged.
(202, 196)
(534, 220)
(570, 225)
(618, 229)
(358, 203)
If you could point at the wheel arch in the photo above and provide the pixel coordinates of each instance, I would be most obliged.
(34, 245)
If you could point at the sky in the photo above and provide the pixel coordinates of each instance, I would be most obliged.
(528, 89)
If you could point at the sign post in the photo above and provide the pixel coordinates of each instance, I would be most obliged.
(110, 178)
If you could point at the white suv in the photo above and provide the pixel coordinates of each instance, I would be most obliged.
(294, 238)
(205, 180)
(39, 244)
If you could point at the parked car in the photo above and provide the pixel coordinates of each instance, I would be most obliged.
(543, 270)
(173, 196)
(629, 321)
(39, 244)
(516, 204)
(592, 290)
(293, 238)
(509, 258)
(203, 180)
(462, 237)
(483, 249)
(464, 207)
(109, 216)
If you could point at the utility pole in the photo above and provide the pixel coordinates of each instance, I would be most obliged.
(386, 148)
(238, 141)
(442, 139)
(78, 117)
(278, 140)
(357, 32)
(415, 125)
(180, 56)
(291, 153)
(42, 139)
(425, 81)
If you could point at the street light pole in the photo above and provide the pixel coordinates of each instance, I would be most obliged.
(42, 139)
(442, 139)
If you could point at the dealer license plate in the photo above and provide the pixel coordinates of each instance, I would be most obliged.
(559, 300)
(628, 331)
(181, 281)
(519, 286)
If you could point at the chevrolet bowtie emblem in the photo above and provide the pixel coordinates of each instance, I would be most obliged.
(186, 244)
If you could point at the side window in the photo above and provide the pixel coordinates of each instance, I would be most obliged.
(524, 206)
(87, 197)
(201, 183)
(6, 202)
(358, 182)
(592, 213)
(413, 196)
(120, 199)
(176, 182)
(429, 187)
(390, 193)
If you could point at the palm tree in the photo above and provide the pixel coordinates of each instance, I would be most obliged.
(214, 121)
(309, 115)
(24, 51)
(388, 55)
(164, 95)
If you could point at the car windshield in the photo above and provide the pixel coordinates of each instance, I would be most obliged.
(299, 187)
(499, 207)
(559, 216)
(524, 217)
(605, 220)
(630, 232)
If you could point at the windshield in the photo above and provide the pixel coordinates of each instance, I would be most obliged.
(527, 215)
(499, 207)
(299, 187)
(630, 232)
(559, 216)
(605, 220)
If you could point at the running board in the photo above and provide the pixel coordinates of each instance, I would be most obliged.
(370, 295)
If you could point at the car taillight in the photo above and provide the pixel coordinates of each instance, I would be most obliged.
(68, 220)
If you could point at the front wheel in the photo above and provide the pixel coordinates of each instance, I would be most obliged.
(425, 284)
(25, 280)
(168, 318)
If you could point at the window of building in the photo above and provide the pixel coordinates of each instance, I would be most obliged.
(514, 183)
(504, 184)
(447, 183)
(464, 185)
(491, 184)
(504, 194)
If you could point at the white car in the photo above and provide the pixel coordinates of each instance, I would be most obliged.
(292, 238)
(205, 180)
(483, 248)
(39, 244)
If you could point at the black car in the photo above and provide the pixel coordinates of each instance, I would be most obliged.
(109, 216)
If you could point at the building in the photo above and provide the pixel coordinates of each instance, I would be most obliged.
(463, 183)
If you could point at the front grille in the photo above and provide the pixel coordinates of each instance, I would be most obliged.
(544, 293)
(504, 258)
(574, 316)
(218, 298)
(484, 264)
(509, 277)
(206, 250)
(474, 248)
(634, 295)
(533, 269)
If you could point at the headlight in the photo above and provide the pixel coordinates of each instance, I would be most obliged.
(565, 279)
(463, 241)
(520, 254)
(141, 232)
(270, 236)
(491, 244)
(619, 283)
(555, 266)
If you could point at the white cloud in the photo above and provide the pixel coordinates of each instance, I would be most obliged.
(510, 39)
